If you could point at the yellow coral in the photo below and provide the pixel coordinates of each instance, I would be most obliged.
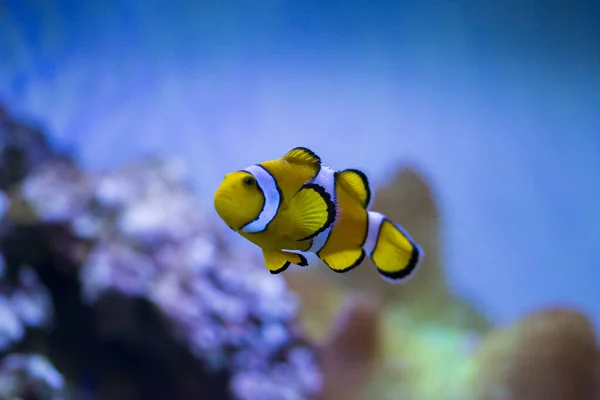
(550, 355)
(422, 361)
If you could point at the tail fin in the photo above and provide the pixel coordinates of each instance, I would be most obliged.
(390, 247)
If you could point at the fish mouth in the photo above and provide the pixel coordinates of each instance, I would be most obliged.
(225, 205)
(223, 201)
(223, 197)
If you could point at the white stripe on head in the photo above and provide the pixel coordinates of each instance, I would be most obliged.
(267, 184)
(375, 220)
(325, 179)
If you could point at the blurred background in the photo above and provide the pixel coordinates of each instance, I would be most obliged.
(477, 122)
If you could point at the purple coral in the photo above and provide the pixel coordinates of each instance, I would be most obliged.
(39, 190)
(31, 300)
(21, 149)
(4, 204)
(231, 313)
(143, 299)
(11, 328)
(30, 376)
(23, 304)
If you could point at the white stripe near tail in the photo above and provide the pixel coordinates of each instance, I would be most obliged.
(393, 251)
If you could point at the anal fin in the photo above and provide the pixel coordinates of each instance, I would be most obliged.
(343, 261)
(310, 212)
(279, 261)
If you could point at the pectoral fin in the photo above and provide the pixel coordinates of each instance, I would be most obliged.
(310, 212)
(356, 184)
(279, 261)
(343, 261)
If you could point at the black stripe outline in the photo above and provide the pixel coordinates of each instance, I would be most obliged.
(309, 151)
(312, 154)
(333, 227)
(365, 180)
(331, 209)
(355, 264)
(303, 261)
(265, 199)
(412, 262)
(281, 269)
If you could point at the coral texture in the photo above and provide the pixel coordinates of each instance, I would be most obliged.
(129, 291)
(351, 352)
(117, 286)
(550, 355)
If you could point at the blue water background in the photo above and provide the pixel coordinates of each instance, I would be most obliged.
(498, 102)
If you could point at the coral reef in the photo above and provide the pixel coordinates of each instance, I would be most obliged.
(350, 353)
(408, 200)
(25, 376)
(117, 286)
(424, 328)
(551, 354)
(22, 147)
(424, 342)
(119, 282)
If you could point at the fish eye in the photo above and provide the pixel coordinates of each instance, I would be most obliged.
(249, 181)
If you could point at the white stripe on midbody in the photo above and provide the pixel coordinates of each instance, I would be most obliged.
(272, 199)
(326, 179)
(375, 220)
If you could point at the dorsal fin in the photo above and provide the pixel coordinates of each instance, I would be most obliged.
(302, 155)
(357, 185)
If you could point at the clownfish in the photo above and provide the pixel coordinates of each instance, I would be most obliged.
(295, 204)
